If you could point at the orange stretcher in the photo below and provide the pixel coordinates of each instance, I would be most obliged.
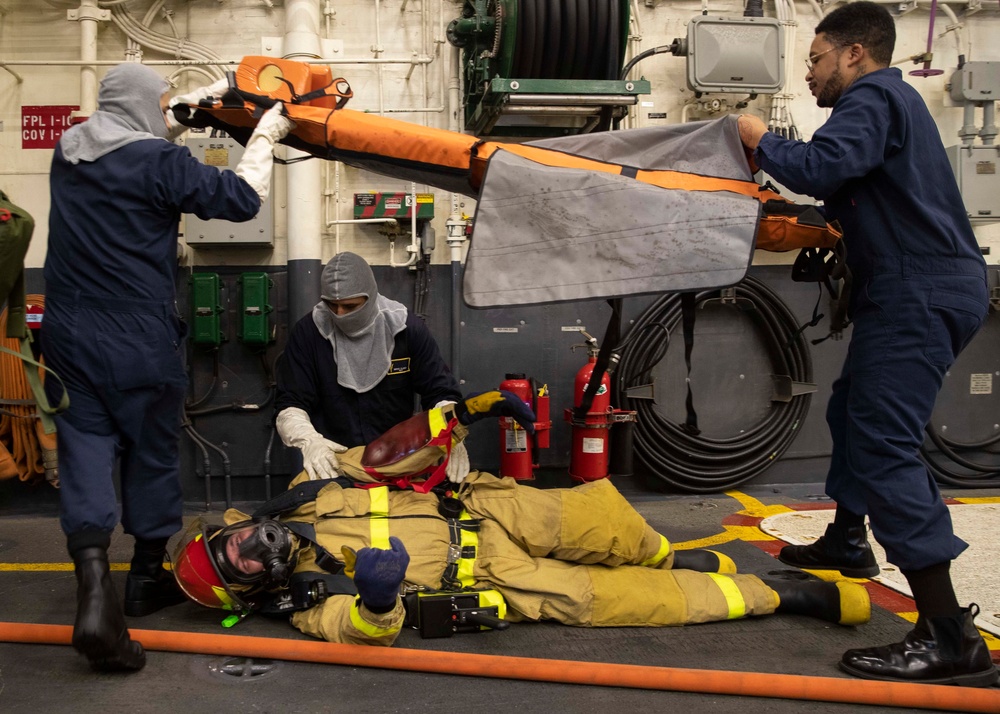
(627, 174)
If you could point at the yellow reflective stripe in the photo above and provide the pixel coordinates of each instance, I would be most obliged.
(662, 553)
(368, 628)
(491, 598)
(436, 421)
(379, 517)
(465, 565)
(227, 602)
(734, 598)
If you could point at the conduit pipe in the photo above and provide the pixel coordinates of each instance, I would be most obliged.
(192, 62)
(674, 679)
(304, 189)
(455, 224)
(940, 4)
(88, 15)
(414, 247)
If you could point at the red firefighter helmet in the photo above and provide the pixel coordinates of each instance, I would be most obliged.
(261, 557)
(197, 574)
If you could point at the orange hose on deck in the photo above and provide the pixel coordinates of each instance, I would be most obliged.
(745, 684)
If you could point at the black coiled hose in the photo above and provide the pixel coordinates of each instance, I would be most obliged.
(969, 474)
(694, 463)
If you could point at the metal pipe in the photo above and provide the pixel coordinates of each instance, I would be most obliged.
(415, 110)
(571, 99)
(414, 247)
(303, 178)
(456, 225)
(456, 237)
(18, 77)
(968, 131)
(200, 62)
(553, 110)
(377, 50)
(88, 13)
(341, 221)
(989, 130)
(172, 77)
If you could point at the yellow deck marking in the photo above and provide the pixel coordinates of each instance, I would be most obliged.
(751, 533)
(49, 567)
(754, 508)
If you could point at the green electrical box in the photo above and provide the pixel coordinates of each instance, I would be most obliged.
(254, 329)
(205, 309)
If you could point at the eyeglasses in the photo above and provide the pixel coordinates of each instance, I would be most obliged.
(811, 61)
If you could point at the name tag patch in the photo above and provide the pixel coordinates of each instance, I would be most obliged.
(399, 366)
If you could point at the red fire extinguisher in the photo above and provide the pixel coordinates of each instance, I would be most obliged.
(517, 448)
(589, 452)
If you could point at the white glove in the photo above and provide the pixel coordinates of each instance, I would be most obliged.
(319, 454)
(258, 159)
(458, 464)
(216, 89)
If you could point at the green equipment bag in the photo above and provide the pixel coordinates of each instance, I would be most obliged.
(16, 227)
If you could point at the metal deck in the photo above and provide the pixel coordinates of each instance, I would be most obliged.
(37, 586)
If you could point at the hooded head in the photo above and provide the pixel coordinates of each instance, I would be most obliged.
(360, 324)
(348, 275)
(132, 91)
(128, 110)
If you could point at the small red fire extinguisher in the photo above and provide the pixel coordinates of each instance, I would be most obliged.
(590, 449)
(517, 448)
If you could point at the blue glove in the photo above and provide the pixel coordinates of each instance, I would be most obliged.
(378, 574)
(495, 404)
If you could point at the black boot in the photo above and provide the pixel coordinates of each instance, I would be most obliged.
(843, 548)
(99, 631)
(149, 586)
(945, 650)
(842, 603)
(704, 561)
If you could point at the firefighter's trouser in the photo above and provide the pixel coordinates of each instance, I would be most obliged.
(584, 556)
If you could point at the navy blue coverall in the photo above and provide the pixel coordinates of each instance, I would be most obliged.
(307, 379)
(919, 295)
(111, 329)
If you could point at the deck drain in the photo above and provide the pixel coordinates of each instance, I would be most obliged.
(242, 669)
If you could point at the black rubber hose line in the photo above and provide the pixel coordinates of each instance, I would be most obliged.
(694, 463)
(981, 476)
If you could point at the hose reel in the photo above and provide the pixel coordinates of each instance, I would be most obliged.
(543, 67)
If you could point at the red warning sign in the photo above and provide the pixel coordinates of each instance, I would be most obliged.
(41, 126)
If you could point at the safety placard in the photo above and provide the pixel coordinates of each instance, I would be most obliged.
(981, 383)
(515, 441)
(41, 126)
(393, 205)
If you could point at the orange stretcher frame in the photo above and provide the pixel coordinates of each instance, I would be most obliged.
(315, 100)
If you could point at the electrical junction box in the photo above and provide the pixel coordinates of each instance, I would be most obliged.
(393, 205)
(738, 54)
(977, 169)
(225, 153)
(254, 328)
(206, 309)
(975, 82)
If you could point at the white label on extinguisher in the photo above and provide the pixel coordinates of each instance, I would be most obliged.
(593, 446)
(517, 441)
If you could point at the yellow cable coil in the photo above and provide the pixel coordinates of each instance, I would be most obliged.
(26, 451)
